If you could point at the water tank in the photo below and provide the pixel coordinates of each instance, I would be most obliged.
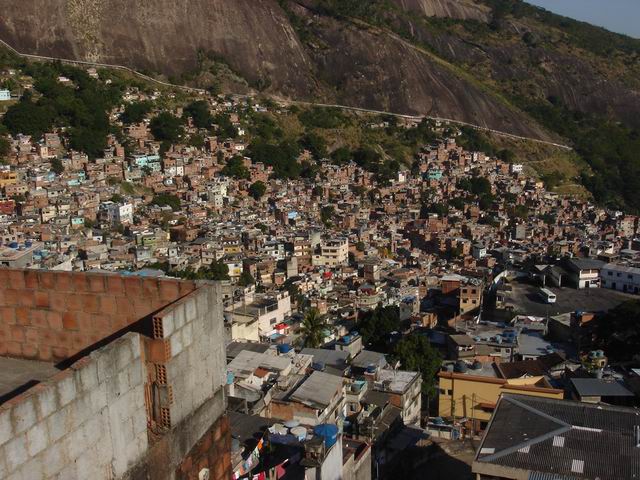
(448, 367)
(460, 367)
(291, 423)
(477, 365)
(600, 354)
(13, 245)
(498, 339)
(372, 368)
(230, 378)
(28, 244)
(284, 348)
(346, 339)
(318, 366)
(328, 432)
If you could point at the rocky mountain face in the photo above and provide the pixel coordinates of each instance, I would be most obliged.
(436, 57)
(459, 9)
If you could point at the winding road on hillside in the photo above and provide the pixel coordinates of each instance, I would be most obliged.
(283, 101)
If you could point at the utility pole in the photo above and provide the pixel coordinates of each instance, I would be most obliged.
(473, 417)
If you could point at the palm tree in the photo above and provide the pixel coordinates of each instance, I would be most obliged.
(312, 329)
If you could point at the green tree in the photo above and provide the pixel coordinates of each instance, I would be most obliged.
(282, 157)
(440, 209)
(319, 117)
(246, 279)
(167, 127)
(312, 329)
(235, 168)
(257, 190)
(167, 199)
(506, 155)
(618, 332)
(416, 354)
(326, 214)
(5, 147)
(56, 166)
(519, 211)
(341, 156)
(376, 325)
(486, 201)
(135, 112)
(480, 186)
(199, 113)
(316, 145)
(217, 271)
(28, 118)
(196, 140)
(225, 128)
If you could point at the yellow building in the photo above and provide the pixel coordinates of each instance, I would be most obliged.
(8, 178)
(474, 397)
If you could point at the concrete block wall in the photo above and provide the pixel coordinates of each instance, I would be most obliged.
(89, 421)
(50, 315)
(193, 334)
(188, 348)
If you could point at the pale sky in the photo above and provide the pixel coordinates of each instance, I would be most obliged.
(622, 16)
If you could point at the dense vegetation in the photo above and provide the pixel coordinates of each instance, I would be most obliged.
(618, 332)
(216, 271)
(610, 148)
(82, 106)
(413, 351)
(604, 144)
(167, 200)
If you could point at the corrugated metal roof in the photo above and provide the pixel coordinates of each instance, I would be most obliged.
(597, 439)
(599, 387)
(549, 476)
(319, 389)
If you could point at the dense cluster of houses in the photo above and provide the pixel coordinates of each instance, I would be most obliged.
(423, 242)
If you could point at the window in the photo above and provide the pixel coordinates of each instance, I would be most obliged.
(610, 274)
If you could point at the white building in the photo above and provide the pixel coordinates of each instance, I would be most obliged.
(620, 277)
(516, 168)
(116, 213)
(255, 316)
(5, 95)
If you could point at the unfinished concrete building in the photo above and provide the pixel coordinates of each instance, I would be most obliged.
(105, 376)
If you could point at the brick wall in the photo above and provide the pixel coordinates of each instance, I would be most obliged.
(213, 451)
(50, 316)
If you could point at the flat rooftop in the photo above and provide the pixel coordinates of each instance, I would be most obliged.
(18, 375)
